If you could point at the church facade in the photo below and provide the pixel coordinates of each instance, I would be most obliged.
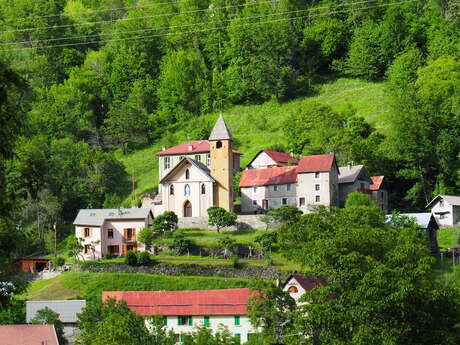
(197, 175)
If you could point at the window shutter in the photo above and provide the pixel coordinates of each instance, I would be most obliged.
(190, 321)
(125, 232)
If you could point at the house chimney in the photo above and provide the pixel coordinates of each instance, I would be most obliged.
(163, 148)
(120, 212)
(190, 147)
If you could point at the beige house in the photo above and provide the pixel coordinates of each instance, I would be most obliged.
(446, 209)
(312, 183)
(197, 175)
(271, 159)
(110, 231)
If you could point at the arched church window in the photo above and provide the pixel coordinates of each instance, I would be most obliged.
(293, 289)
(203, 189)
(218, 144)
(187, 174)
(171, 190)
(186, 190)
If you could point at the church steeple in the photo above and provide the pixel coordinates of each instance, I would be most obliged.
(220, 130)
(220, 142)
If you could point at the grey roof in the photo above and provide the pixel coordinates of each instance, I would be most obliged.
(67, 310)
(96, 217)
(451, 199)
(220, 130)
(349, 174)
(422, 219)
(195, 163)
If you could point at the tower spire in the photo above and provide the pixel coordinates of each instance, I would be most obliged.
(220, 130)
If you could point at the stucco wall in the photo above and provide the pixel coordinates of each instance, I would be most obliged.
(214, 321)
(439, 212)
(328, 183)
(274, 197)
(262, 161)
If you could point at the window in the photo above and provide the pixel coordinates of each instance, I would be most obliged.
(182, 338)
(254, 189)
(187, 174)
(190, 321)
(293, 289)
(206, 321)
(362, 187)
(203, 189)
(316, 186)
(130, 234)
(87, 248)
(171, 190)
(218, 144)
(110, 233)
(87, 232)
(254, 202)
(167, 162)
(288, 187)
(317, 198)
(285, 201)
(316, 174)
(237, 320)
(113, 250)
(265, 204)
(442, 216)
(186, 190)
(181, 320)
(208, 159)
(275, 188)
(198, 158)
(302, 201)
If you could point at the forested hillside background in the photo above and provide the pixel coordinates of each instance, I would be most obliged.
(87, 87)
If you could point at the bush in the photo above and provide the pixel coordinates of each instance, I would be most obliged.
(143, 258)
(107, 256)
(235, 262)
(131, 258)
(58, 261)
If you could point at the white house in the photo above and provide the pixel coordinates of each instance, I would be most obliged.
(184, 310)
(446, 209)
(313, 182)
(110, 231)
(270, 159)
(297, 285)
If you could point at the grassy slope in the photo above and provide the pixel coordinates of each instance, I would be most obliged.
(75, 284)
(448, 237)
(257, 127)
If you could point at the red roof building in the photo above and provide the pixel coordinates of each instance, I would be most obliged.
(28, 335)
(270, 159)
(192, 302)
(189, 148)
(317, 163)
(268, 176)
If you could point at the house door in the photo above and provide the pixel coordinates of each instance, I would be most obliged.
(187, 209)
(265, 204)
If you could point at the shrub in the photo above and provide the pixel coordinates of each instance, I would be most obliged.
(107, 256)
(131, 258)
(143, 258)
(235, 262)
(58, 261)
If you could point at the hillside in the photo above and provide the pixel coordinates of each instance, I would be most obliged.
(256, 127)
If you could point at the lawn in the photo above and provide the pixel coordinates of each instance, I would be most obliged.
(70, 285)
(257, 127)
(210, 238)
(448, 237)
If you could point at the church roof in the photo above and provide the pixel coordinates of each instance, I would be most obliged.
(316, 163)
(200, 166)
(268, 176)
(220, 130)
(191, 147)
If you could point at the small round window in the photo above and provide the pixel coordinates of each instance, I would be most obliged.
(218, 144)
(293, 289)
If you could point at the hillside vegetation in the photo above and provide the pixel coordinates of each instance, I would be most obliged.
(258, 127)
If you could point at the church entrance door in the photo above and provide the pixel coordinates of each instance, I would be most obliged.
(187, 209)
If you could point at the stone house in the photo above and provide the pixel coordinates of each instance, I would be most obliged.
(353, 178)
(184, 310)
(446, 209)
(313, 182)
(110, 231)
(270, 159)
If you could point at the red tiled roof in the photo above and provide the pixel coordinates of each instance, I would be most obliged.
(376, 182)
(281, 157)
(268, 176)
(316, 163)
(193, 302)
(28, 335)
(197, 146)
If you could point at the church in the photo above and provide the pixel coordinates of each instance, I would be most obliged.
(197, 175)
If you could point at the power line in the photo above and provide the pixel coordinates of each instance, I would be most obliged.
(188, 25)
(208, 29)
(133, 18)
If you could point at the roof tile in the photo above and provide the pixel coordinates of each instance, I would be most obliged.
(268, 176)
(28, 335)
(316, 163)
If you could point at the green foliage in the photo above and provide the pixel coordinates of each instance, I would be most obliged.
(46, 316)
(285, 213)
(204, 335)
(227, 244)
(131, 258)
(358, 199)
(266, 241)
(377, 274)
(58, 261)
(144, 258)
(167, 221)
(219, 217)
(146, 236)
(180, 243)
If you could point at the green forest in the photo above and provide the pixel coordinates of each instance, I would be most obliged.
(86, 84)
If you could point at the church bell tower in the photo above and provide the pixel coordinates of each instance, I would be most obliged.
(220, 142)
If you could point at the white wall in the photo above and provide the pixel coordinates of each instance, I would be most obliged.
(439, 212)
(262, 161)
(215, 320)
(300, 289)
(328, 189)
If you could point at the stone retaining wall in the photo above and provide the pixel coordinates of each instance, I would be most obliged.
(249, 221)
(246, 272)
